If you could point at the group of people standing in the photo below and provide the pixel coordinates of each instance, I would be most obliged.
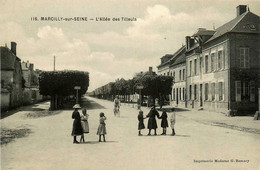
(152, 124)
(81, 126)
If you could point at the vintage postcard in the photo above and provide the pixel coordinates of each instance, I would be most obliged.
(130, 84)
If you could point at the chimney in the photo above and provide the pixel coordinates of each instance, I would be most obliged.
(31, 67)
(241, 9)
(13, 47)
(150, 70)
(187, 42)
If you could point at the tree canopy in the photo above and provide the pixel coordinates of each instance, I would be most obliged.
(62, 83)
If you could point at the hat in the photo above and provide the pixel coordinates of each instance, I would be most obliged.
(76, 106)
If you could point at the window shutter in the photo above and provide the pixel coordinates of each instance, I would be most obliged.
(223, 60)
(223, 91)
(246, 58)
(209, 92)
(252, 91)
(238, 90)
(217, 91)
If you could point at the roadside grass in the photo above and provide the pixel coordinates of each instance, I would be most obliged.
(9, 135)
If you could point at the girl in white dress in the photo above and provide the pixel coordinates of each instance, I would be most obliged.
(84, 123)
(173, 120)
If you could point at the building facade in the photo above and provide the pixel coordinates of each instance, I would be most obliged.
(178, 71)
(12, 82)
(222, 67)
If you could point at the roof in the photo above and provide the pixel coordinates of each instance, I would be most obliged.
(7, 59)
(179, 56)
(244, 23)
(181, 59)
(165, 60)
(204, 32)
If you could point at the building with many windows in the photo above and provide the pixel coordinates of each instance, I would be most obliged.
(178, 71)
(223, 66)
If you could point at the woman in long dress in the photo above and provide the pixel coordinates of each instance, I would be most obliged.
(77, 128)
(84, 123)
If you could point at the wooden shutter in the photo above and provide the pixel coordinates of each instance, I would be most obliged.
(238, 90)
(252, 91)
(246, 57)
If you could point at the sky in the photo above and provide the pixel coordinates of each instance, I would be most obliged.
(108, 49)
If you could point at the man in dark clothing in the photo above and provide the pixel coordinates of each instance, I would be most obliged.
(152, 120)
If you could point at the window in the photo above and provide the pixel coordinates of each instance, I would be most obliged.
(221, 91)
(244, 57)
(213, 62)
(183, 73)
(206, 91)
(190, 67)
(206, 63)
(173, 94)
(174, 75)
(167, 73)
(213, 91)
(245, 90)
(238, 90)
(180, 75)
(220, 60)
(190, 92)
(195, 92)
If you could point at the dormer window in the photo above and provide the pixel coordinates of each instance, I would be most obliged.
(252, 27)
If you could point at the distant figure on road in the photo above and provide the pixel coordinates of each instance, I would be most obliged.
(102, 127)
(141, 122)
(173, 120)
(77, 128)
(164, 123)
(116, 106)
(84, 123)
(152, 121)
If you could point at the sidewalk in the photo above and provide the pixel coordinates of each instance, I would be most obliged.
(241, 123)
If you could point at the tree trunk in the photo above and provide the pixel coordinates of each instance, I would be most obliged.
(52, 102)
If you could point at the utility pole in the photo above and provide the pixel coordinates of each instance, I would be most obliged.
(54, 63)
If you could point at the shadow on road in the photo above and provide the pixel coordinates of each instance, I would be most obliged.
(89, 104)
(34, 107)
(97, 142)
(169, 109)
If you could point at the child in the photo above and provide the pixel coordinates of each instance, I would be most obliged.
(164, 123)
(141, 122)
(84, 123)
(173, 119)
(102, 127)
